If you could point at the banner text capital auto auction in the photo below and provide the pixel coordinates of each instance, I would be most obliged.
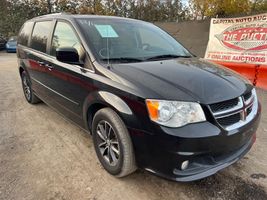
(241, 39)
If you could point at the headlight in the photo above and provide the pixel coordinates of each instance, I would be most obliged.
(174, 113)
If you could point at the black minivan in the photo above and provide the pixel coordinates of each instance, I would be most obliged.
(146, 100)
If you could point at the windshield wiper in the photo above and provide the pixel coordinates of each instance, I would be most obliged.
(168, 56)
(123, 59)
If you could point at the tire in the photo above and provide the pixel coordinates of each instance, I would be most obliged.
(117, 138)
(27, 90)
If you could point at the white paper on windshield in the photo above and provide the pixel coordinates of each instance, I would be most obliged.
(106, 31)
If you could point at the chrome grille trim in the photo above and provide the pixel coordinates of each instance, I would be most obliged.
(242, 107)
(249, 118)
(249, 101)
(239, 106)
(225, 105)
(247, 95)
(228, 114)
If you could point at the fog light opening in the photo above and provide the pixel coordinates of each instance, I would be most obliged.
(184, 165)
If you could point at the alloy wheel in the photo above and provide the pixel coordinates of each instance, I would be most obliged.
(108, 143)
(26, 88)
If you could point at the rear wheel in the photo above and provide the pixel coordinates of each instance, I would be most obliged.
(112, 143)
(27, 90)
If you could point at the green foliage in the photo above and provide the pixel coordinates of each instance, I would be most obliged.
(259, 6)
(15, 12)
(226, 8)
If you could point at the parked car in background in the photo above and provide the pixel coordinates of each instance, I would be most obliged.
(11, 45)
(2, 42)
(146, 100)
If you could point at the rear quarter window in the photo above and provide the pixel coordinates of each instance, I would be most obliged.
(25, 33)
(40, 34)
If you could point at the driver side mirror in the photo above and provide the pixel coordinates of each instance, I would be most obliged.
(67, 55)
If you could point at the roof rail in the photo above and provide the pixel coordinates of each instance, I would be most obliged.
(53, 14)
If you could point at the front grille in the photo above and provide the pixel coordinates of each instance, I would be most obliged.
(232, 113)
(247, 95)
(249, 110)
(229, 120)
(225, 105)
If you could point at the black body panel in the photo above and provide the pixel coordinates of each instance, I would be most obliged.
(78, 91)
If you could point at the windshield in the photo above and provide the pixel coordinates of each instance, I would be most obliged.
(12, 39)
(120, 40)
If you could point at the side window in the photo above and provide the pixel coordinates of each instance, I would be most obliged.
(40, 35)
(64, 36)
(25, 33)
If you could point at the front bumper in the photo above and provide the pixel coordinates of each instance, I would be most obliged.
(207, 148)
(206, 165)
(11, 49)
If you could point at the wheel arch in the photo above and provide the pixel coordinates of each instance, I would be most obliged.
(22, 68)
(103, 99)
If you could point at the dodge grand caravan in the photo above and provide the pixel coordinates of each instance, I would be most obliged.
(146, 100)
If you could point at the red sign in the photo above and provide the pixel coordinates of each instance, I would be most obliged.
(241, 39)
(249, 37)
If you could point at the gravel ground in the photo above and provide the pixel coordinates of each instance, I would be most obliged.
(44, 156)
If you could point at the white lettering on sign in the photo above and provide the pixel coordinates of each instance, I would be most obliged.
(241, 39)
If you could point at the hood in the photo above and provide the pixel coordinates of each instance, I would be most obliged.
(12, 43)
(184, 79)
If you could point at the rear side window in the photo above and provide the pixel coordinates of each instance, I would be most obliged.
(40, 35)
(25, 33)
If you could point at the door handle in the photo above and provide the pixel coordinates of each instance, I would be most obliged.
(50, 67)
(40, 63)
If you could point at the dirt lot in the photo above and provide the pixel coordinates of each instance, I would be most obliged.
(43, 156)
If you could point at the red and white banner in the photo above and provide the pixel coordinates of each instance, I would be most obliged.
(242, 39)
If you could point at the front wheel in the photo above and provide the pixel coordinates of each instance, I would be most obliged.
(27, 90)
(112, 143)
